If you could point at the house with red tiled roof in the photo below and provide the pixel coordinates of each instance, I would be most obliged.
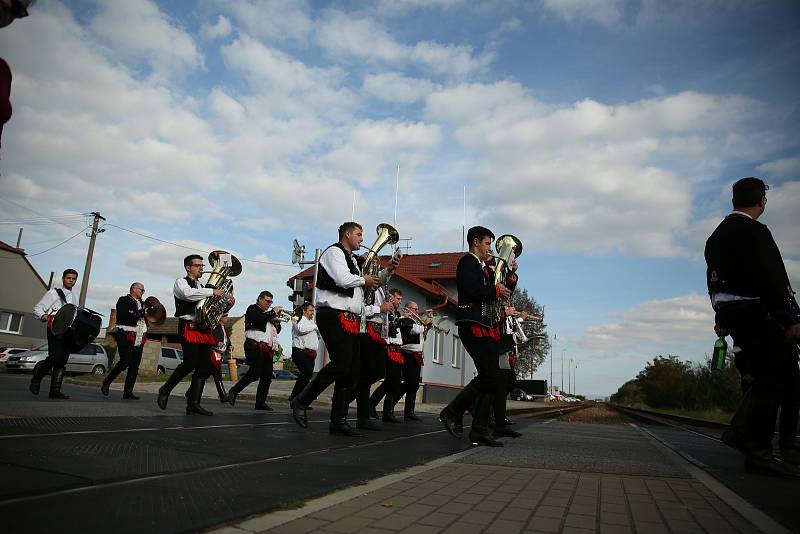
(430, 281)
(21, 289)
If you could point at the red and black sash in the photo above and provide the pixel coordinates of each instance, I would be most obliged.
(394, 354)
(193, 333)
(351, 323)
(374, 331)
(260, 346)
(418, 356)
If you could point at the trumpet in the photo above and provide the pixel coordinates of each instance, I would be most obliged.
(284, 316)
(428, 319)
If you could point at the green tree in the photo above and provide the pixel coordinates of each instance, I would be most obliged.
(533, 352)
(665, 382)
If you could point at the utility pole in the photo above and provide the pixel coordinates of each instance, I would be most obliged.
(88, 268)
(569, 377)
(575, 378)
(555, 337)
(561, 382)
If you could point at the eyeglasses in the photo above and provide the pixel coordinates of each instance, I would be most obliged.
(140, 289)
(197, 265)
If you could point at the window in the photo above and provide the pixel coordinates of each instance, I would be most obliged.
(11, 322)
(458, 352)
(90, 349)
(167, 353)
(438, 344)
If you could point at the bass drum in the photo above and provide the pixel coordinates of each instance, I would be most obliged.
(80, 324)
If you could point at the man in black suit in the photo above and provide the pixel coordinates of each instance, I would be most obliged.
(753, 300)
(130, 337)
(480, 336)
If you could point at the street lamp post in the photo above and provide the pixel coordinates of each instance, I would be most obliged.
(561, 382)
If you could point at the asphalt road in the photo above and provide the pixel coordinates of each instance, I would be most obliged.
(131, 467)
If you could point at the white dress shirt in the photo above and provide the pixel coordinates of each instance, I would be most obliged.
(335, 264)
(183, 291)
(50, 303)
(304, 334)
(269, 335)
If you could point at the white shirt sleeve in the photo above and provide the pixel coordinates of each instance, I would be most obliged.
(417, 328)
(45, 305)
(183, 291)
(335, 265)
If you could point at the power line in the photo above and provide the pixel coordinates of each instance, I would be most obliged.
(192, 248)
(55, 246)
(41, 214)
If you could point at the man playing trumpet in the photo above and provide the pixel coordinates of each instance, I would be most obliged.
(413, 328)
(262, 324)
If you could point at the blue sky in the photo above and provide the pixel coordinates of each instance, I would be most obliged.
(604, 133)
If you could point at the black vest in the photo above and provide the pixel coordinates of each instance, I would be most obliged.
(256, 319)
(324, 280)
(186, 307)
(409, 337)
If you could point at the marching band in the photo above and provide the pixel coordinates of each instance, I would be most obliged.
(368, 335)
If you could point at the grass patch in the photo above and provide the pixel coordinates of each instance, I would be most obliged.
(718, 416)
(293, 504)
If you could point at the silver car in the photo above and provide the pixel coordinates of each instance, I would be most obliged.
(90, 359)
(168, 360)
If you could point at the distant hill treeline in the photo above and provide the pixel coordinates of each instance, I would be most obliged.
(670, 383)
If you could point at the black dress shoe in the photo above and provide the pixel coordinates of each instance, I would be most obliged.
(197, 409)
(733, 439)
(770, 466)
(299, 413)
(104, 388)
(390, 418)
(34, 387)
(790, 453)
(344, 429)
(368, 424)
(223, 399)
(483, 439)
(411, 417)
(506, 433)
(58, 395)
(130, 396)
(232, 397)
(373, 412)
(266, 407)
(162, 399)
(450, 423)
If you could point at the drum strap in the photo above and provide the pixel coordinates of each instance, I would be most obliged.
(61, 295)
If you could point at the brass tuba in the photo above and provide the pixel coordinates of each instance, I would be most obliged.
(211, 309)
(371, 265)
(508, 248)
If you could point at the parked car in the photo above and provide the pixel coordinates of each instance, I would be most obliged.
(283, 374)
(519, 395)
(168, 360)
(5, 352)
(90, 359)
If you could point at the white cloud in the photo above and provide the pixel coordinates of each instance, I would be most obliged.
(374, 147)
(352, 36)
(139, 31)
(783, 218)
(221, 28)
(668, 324)
(593, 177)
(276, 20)
(398, 88)
(781, 168)
(605, 12)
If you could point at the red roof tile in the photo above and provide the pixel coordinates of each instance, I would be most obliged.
(417, 269)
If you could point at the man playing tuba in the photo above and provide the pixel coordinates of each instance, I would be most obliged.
(196, 341)
(340, 300)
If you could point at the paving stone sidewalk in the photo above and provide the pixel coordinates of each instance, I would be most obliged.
(465, 499)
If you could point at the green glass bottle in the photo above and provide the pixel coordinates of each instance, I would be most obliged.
(719, 354)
